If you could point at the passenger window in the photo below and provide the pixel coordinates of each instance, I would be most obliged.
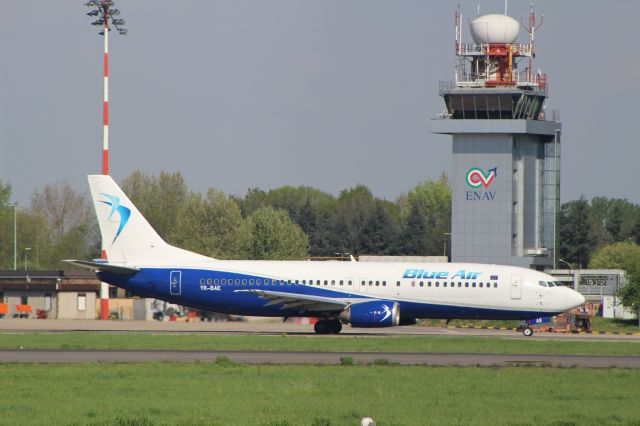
(480, 285)
(495, 285)
(397, 283)
(266, 281)
(237, 281)
(341, 282)
(384, 283)
(444, 284)
(370, 283)
(437, 284)
(377, 283)
(223, 281)
(421, 283)
(208, 280)
(251, 282)
(459, 284)
(473, 285)
(326, 282)
(466, 285)
(362, 283)
(333, 282)
(429, 284)
(349, 282)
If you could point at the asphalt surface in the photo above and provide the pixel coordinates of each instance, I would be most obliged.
(271, 327)
(251, 357)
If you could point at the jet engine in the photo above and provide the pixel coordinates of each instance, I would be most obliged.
(376, 313)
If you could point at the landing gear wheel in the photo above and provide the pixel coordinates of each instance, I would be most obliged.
(322, 327)
(527, 332)
(332, 326)
(335, 326)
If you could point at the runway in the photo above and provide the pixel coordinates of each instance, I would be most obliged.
(251, 357)
(271, 327)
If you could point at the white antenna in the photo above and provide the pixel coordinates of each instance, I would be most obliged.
(478, 8)
(506, 5)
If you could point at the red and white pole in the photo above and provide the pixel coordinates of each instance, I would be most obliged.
(104, 287)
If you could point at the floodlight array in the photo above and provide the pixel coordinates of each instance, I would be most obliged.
(106, 14)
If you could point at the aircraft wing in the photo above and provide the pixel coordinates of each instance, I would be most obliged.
(104, 267)
(303, 302)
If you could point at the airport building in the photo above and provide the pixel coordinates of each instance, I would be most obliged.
(505, 173)
(65, 295)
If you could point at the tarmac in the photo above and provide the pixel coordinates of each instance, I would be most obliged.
(273, 327)
(262, 357)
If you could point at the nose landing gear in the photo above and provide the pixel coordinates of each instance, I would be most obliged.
(527, 331)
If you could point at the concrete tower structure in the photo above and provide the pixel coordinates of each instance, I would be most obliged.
(505, 174)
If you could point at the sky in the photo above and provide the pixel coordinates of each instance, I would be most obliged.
(238, 94)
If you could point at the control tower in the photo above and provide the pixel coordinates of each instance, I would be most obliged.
(505, 174)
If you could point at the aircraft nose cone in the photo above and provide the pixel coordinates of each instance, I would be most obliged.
(575, 299)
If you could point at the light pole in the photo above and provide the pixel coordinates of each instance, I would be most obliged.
(573, 272)
(105, 13)
(444, 244)
(15, 236)
(26, 257)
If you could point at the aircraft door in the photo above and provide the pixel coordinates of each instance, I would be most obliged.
(516, 286)
(175, 283)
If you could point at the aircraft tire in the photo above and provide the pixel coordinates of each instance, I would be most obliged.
(527, 331)
(335, 326)
(322, 327)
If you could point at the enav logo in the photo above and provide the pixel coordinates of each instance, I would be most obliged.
(480, 180)
(476, 177)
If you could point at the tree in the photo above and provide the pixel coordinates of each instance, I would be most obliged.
(426, 217)
(275, 236)
(161, 200)
(355, 207)
(381, 230)
(576, 225)
(60, 224)
(635, 234)
(624, 255)
(618, 218)
(63, 208)
(213, 226)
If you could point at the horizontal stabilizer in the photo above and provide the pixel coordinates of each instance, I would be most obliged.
(104, 267)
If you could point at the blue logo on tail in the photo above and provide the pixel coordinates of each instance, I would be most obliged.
(123, 211)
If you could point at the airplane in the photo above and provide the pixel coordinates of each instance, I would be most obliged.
(362, 294)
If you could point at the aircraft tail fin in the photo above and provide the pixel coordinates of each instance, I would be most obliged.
(127, 237)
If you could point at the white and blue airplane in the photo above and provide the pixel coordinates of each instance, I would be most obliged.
(363, 294)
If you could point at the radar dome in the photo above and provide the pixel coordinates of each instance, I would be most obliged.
(494, 28)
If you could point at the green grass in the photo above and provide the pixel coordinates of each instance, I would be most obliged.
(184, 341)
(615, 325)
(229, 394)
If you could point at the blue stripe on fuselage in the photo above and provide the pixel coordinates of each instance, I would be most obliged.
(154, 282)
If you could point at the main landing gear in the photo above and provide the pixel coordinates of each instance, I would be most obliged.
(328, 326)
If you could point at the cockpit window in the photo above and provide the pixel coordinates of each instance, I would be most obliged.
(542, 283)
(551, 284)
